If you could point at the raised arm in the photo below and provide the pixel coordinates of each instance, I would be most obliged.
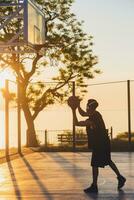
(74, 103)
(80, 123)
(82, 112)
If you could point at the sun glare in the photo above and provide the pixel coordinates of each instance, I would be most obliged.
(3, 76)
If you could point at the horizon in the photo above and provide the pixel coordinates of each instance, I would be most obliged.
(111, 24)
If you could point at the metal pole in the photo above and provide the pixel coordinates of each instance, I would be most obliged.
(19, 116)
(18, 102)
(129, 113)
(46, 138)
(111, 133)
(6, 118)
(26, 20)
(74, 131)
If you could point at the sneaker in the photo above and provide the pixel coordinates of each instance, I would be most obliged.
(91, 189)
(121, 181)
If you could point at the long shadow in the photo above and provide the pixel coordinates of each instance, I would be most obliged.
(3, 159)
(13, 156)
(88, 154)
(75, 171)
(14, 180)
(74, 168)
(93, 196)
(121, 195)
(44, 190)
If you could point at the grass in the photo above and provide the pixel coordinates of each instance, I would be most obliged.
(117, 145)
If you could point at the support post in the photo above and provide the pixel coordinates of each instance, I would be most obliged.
(111, 131)
(46, 138)
(7, 118)
(129, 114)
(74, 131)
(25, 20)
(19, 116)
(18, 95)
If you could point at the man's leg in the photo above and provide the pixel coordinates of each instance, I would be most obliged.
(95, 172)
(121, 179)
(114, 168)
(93, 188)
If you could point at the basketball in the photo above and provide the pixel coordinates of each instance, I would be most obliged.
(73, 102)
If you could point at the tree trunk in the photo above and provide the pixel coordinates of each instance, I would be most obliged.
(31, 133)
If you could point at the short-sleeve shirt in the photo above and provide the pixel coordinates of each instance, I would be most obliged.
(97, 134)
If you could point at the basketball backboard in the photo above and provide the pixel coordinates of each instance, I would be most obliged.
(30, 31)
(36, 24)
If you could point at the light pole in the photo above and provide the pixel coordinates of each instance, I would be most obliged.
(18, 96)
(129, 114)
(74, 131)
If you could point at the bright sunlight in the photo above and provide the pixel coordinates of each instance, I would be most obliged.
(3, 76)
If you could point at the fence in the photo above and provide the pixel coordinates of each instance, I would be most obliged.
(115, 103)
(64, 138)
(50, 139)
(13, 124)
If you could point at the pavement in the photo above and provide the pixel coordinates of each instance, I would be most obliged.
(63, 176)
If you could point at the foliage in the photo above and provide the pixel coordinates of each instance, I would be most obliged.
(124, 136)
(10, 96)
(68, 48)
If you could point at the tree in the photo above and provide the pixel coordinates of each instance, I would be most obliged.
(67, 48)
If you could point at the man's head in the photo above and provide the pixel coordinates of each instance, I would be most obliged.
(92, 104)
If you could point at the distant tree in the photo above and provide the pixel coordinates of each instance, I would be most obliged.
(124, 135)
(68, 48)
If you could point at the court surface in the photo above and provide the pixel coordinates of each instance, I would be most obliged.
(63, 176)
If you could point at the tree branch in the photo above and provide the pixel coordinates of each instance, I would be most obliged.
(40, 108)
(33, 66)
(12, 64)
(50, 15)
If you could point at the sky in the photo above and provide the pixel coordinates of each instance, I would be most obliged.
(111, 23)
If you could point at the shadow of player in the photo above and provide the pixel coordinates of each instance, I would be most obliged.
(120, 196)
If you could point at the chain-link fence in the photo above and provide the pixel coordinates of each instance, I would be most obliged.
(62, 139)
(114, 105)
(56, 118)
(54, 124)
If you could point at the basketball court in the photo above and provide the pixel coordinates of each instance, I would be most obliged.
(58, 176)
(51, 176)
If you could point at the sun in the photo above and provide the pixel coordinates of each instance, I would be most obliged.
(3, 76)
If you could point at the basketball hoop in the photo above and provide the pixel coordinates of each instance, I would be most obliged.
(31, 33)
